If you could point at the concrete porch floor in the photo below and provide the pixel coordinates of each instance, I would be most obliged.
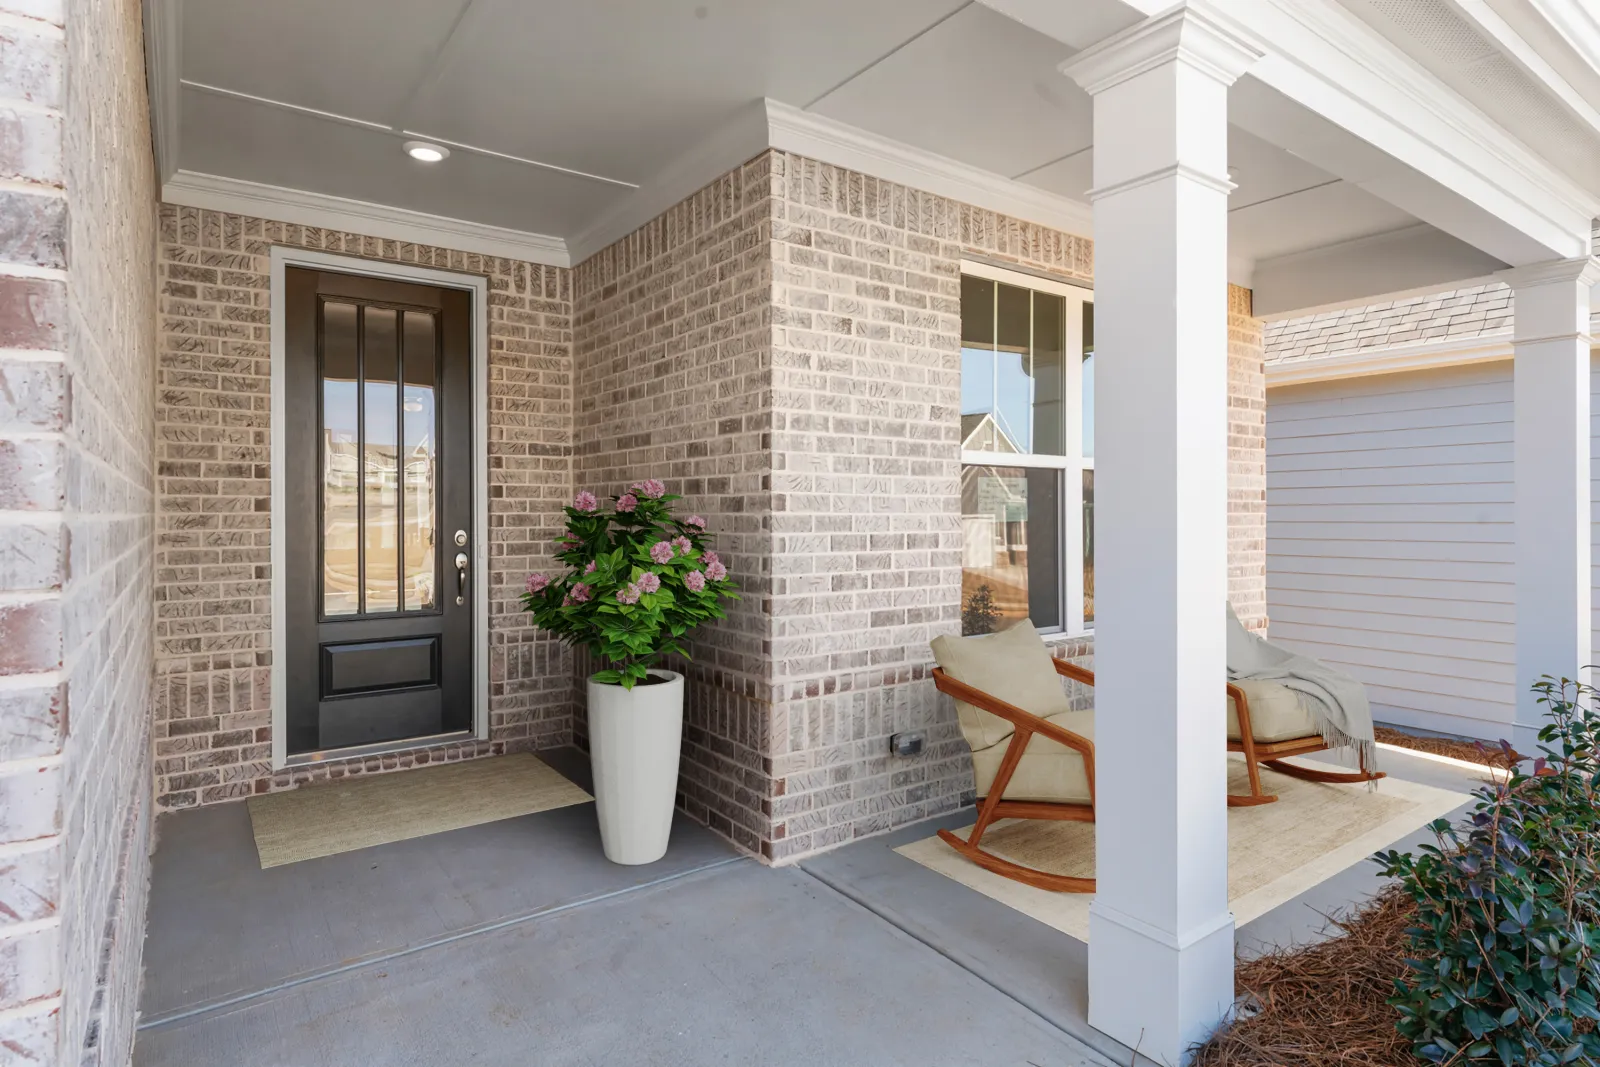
(516, 942)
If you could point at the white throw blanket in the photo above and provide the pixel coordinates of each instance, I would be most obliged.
(1336, 701)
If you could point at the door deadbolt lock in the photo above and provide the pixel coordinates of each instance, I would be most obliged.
(461, 539)
(461, 574)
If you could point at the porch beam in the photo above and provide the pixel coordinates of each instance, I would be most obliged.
(1551, 344)
(1161, 934)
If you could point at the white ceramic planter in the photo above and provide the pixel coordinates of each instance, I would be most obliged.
(634, 739)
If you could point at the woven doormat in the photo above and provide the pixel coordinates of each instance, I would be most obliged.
(332, 817)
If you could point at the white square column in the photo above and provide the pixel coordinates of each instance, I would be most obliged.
(1160, 931)
(1550, 385)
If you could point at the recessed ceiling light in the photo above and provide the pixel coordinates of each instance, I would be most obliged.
(427, 153)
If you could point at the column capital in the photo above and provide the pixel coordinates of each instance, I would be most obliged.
(1189, 33)
(1585, 270)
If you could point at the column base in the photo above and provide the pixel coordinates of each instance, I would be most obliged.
(1155, 993)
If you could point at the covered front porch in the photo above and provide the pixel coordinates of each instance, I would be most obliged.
(742, 249)
(515, 940)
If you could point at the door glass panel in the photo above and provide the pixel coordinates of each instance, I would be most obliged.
(380, 454)
(1010, 565)
(1088, 380)
(418, 460)
(341, 463)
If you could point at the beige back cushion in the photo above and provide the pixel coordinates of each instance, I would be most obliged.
(1012, 665)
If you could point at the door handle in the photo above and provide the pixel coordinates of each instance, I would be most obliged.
(461, 577)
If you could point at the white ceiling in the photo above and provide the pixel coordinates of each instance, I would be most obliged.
(559, 110)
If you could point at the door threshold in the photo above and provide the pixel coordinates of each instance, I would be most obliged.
(378, 749)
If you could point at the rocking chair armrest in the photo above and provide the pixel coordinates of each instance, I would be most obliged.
(1022, 720)
(1073, 671)
(1241, 704)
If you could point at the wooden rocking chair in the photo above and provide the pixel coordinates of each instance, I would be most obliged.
(1280, 726)
(1045, 763)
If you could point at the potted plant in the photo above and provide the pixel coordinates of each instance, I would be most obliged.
(639, 580)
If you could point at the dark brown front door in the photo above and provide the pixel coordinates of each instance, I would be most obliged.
(378, 391)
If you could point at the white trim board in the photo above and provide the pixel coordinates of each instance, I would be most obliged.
(789, 129)
(234, 195)
(477, 285)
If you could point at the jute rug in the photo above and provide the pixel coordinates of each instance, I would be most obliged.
(332, 817)
(1275, 851)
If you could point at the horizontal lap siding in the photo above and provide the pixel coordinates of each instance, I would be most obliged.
(1389, 539)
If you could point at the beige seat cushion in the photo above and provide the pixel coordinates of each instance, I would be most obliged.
(1048, 769)
(1012, 665)
(1277, 713)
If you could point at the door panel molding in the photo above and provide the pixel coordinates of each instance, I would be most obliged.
(477, 287)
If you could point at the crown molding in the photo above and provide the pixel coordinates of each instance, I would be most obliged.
(768, 124)
(1584, 270)
(741, 138)
(215, 193)
(162, 46)
(829, 141)
(1188, 34)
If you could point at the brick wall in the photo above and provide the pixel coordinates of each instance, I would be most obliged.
(1247, 462)
(784, 347)
(672, 348)
(213, 580)
(77, 355)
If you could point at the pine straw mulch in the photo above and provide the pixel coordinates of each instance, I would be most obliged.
(1471, 751)
(1324, 1005)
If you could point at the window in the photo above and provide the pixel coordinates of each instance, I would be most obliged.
(1027, 452)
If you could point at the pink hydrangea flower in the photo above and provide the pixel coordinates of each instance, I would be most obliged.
(694, 581)
(580, 594)
(650, 487)
(630, 595)
(537, 582)
(585, 501)
(716, 571)
(649, 582)
(708, 558)
(588, 568)
(696, 521)
(661, 551)
(627, 502)
(683, 544)
(566, 601)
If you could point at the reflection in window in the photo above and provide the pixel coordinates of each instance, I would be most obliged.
(1088, 381)
(379, 459)
(418, 461)
(1013, 365)
(1023, 349)
(341, 462)
(380, 449)
(1010, 544)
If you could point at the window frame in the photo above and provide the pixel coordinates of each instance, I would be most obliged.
(1073, 462)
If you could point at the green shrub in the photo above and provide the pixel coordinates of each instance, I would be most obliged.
(979, 613)
(1507, 946)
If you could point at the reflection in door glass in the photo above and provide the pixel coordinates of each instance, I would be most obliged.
(380, 452)
(341, 463)
(418, 458)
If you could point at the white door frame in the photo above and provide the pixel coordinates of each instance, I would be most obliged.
(282, 259)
